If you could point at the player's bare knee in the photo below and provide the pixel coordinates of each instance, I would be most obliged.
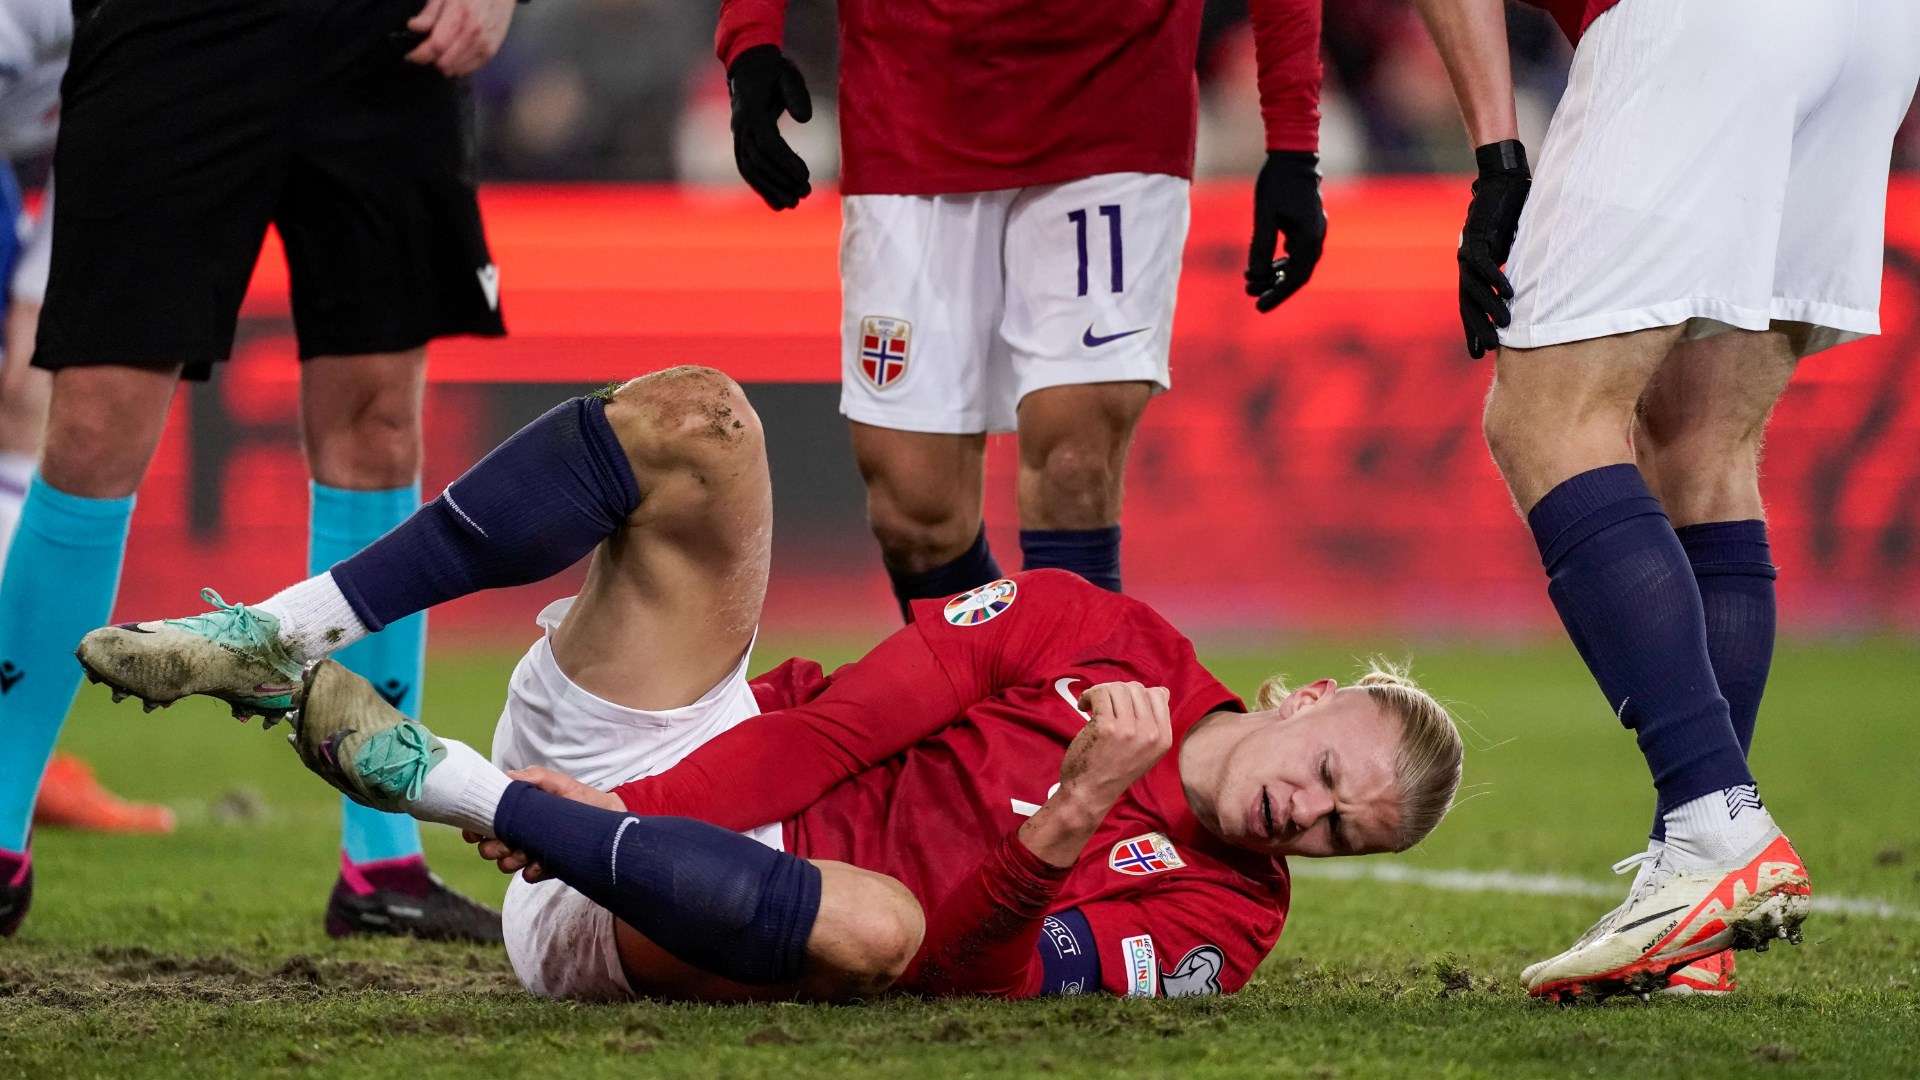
(372, 443)
(1079, 484)
(919, 529)
(880, 928)
(680, 413)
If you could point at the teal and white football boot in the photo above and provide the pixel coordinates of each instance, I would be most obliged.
(349, 736)
(233, 653)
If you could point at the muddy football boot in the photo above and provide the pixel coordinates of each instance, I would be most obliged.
(232, 653)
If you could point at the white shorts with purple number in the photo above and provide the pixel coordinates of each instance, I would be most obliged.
(1717, 163)
(562, 944)
(954, 307)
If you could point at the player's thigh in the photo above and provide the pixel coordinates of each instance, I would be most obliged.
(1832, 232)
(1656, 198)
(921, 297)
(380, 219)
(866, 933)
(169, 167)
(1093, 269)
(686, 578)
(1717, 392)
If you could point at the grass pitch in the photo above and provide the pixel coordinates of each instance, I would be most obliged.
(202, 953)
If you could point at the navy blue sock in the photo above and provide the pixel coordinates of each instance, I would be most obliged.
(1733, 567)
(533, 507)
(1094, 554)
(720, 901)
(1620, 580)
(975, 566)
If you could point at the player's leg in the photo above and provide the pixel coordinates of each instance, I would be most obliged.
(1657, 98)
(1093, 269)
(1073, 458)
(921, 295)
(23, 391)
(924, 494)
(1698, 444)
(704, 912)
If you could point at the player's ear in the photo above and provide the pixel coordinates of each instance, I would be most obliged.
(1318, 690)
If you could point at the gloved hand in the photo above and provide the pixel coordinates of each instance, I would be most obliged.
(764, 84)
(1286, 199)
(1487, 239)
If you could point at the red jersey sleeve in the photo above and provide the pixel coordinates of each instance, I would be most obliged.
(913, 684)
(746, 23)
(981, 937)
(1181, 940)
(1286, 48)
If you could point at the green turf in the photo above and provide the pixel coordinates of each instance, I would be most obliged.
(201, 954)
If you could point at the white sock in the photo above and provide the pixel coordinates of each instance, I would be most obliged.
(16, 472)
(1717, 828)
(315, 618)
(463, 790)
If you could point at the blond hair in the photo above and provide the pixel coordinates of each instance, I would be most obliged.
(1426, 767)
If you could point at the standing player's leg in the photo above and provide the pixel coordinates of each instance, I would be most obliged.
(1698, 444)
(1093, 270)
(924, 495)
(921, 285)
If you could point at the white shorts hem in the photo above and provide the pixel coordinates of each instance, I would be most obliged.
(898, 418)
(1841, 324)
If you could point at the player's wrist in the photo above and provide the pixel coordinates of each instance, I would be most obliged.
(1504, 157)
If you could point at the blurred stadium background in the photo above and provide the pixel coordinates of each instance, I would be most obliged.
(1317, 470)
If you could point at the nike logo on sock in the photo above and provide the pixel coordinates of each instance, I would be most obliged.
(1094, 341)
(9, 675)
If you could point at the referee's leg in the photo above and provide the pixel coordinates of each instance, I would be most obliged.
(62, 570)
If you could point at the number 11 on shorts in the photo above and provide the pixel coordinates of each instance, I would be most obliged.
(1079, 218)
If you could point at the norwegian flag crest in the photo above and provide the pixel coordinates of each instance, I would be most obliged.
(883, 349)
(1151, 853)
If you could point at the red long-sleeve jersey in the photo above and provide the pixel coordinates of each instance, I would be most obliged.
(949, 96)
(922, 760)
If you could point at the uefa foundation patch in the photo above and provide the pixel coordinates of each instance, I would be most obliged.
(1143, 967)
(975, 606)
(883, 349)
(1148, 853)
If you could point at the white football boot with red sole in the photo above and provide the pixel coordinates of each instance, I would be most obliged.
(1677, 916)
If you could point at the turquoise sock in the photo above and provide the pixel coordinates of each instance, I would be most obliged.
(60, 578)
(341, 523)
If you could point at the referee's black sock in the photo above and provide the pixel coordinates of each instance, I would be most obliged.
(975, 566)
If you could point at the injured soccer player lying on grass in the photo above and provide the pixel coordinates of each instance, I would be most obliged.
(1033, 788)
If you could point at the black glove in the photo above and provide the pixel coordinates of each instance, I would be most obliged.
(1492, 216)
(1286, 199)
(764, 84)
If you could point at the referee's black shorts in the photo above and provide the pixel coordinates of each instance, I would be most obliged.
(188, 125)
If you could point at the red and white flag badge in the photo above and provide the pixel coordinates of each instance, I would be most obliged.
(883, 349)
(1151, 853)
(975, 606)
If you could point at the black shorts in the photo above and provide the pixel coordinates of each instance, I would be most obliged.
(188, 125)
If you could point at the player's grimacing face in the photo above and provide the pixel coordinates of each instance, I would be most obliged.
(1315, 780)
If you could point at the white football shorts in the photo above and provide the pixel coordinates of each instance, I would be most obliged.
(562, 944)
(954, 307)
(1718, 163)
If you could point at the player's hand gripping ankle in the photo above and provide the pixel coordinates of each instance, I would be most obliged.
(553, 783)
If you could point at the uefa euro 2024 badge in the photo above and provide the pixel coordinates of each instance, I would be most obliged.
(975, 606)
